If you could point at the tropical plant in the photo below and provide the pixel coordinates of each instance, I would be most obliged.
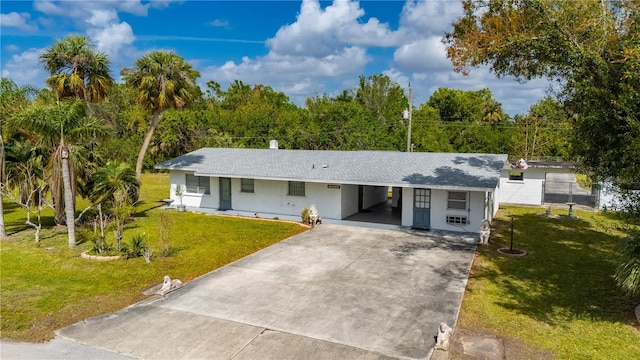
(136, 247)
(61, 128)
(112, 178)
(628, 270)
(13, 98)
(77, 70)
(115, 185)
(161, 80)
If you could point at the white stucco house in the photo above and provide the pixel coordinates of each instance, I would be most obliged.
(443, 191)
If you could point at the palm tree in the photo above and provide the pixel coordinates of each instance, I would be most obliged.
(111, 179)
(12, 98)
(161, 80)
(62, 128)
(492, 112)
(116, 186)
(77, 70)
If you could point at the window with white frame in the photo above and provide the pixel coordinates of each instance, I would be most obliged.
(246, 185)
(456, 220)
(516, 176)
(457, 200)
(296, 188)
(197, 184)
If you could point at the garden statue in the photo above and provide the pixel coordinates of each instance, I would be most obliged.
(314, 217)
(444, 336)
(169, 285)
(485, 231)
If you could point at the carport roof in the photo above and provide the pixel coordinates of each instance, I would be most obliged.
(386, 168)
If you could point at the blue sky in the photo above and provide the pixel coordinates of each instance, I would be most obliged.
(302, 48)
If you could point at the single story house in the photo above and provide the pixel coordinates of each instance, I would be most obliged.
(443, 191)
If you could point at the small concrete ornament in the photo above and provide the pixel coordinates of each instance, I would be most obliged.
(485, 231)
(314, 216)
(444, 337)
(168, 285)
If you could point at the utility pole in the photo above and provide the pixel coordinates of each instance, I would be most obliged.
(407, 116)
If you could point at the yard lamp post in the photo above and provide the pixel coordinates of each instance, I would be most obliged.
(511, 248)
(406, 114)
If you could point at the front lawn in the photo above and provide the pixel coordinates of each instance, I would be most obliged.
(561, 298)
(48, 286)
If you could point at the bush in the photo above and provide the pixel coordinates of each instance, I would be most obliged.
(136, 247)
(628, 271)
(305, 215)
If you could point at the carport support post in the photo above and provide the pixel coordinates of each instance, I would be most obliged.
(511, 248)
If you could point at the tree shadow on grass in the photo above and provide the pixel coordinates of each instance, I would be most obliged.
(567, 275)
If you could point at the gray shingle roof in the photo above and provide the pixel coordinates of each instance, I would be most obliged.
(389, 168)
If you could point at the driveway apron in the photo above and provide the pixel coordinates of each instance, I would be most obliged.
(331, 292)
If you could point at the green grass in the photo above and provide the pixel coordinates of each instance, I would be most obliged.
(560, 297)
(584, 181)
(48, 286)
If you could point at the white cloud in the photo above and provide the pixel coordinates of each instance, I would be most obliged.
(17, 20)
(112, 38)
(25, 68)
(320, 32)
(11, 48)
(219, 23)
(283, 68)
(72, 9)
(297, 76)
(102, 18)
(49, 8)
(430, 18)
(100, 21)
(422, 55)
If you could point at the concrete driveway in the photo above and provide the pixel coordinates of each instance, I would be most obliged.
(329, 293)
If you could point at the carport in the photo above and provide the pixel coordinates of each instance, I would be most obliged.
(381, 213)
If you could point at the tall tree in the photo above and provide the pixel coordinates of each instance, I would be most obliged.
(77, 70)
(385, 100)
(544, 132)
(161, 80)
(13, 98)
(61, 127)
(589, 46)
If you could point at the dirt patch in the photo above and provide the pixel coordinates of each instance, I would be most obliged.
(481, 344)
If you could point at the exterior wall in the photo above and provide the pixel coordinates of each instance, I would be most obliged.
(439, 211)
(189, 199)
(271, 197)
(474, 211)
(349, 194)
(525, 192)
(407, 207)
(373, 195)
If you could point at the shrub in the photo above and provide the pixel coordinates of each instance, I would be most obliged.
(305, 215)
(136, 247)
(165, 221)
